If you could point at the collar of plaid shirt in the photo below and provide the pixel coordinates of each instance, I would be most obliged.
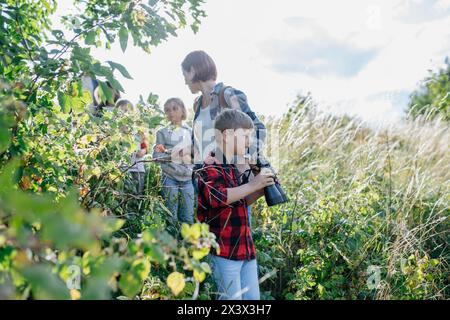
(229, 222)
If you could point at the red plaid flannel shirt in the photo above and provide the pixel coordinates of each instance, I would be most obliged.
(229, 222)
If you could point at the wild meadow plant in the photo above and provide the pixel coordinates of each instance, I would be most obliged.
(369, 210)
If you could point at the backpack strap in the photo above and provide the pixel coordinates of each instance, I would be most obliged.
(196, 103)
(222, 102)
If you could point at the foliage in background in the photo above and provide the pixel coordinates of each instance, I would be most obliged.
(432, 99)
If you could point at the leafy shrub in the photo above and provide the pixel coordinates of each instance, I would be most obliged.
(68, 210)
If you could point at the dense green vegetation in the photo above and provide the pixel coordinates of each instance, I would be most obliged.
(65, 201)
(369, 210)
(432, 99)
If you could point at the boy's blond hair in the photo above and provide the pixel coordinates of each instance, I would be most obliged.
(233, 119)
(179, 103)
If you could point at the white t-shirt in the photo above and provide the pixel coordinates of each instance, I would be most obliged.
(204, 133)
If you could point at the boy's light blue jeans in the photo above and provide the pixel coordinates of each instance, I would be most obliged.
(235, 279)
(179, 196)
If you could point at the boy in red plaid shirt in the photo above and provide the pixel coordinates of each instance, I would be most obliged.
(222, 204)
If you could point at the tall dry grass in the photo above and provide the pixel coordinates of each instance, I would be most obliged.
(360, 196)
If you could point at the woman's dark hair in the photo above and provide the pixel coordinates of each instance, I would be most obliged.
(203, 64)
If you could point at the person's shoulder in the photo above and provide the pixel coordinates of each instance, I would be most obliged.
(229, 91)
(164, 131)
(234, 97)
(161, 130)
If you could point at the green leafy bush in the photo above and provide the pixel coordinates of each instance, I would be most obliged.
(71, 224)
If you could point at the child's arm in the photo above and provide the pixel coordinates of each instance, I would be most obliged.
(212, 186)
(250, 191)
(157, 153)
(254, 196)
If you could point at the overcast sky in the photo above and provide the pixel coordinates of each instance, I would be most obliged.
(354, 56)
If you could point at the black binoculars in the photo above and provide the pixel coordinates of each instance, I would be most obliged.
(274, 194)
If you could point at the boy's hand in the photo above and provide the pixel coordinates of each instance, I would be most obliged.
(160, 148)
(262, 180)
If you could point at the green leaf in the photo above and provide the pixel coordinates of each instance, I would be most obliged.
(176, 283)
(155, 253)
(62, 99)
(191, 233)
(105, 92)
(199, 275)
(205, 267)
(97, 286)
(5, 138)
(8, 178)
(141, 267)
(129, 283)
(123, 38)
(121, 69)
(113, 224)
(200, 253)
(96, 171)
(90, 37)
(115, 84)
(45, 285)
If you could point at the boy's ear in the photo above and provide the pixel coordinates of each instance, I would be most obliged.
(228, 135)
(224, 137)
(219, 136)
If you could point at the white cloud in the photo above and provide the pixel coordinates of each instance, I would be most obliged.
(315, 52)
(416, 11)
